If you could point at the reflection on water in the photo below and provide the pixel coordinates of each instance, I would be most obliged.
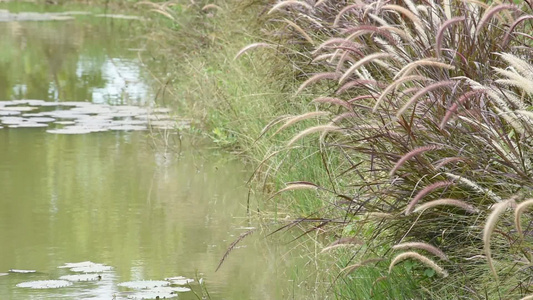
(109, 197)
(63, 61)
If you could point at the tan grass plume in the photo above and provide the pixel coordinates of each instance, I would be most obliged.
(413, 255)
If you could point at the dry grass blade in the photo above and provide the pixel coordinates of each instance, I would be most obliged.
(413, 255)
(520, 208)
(423, 246)
(319, 128)
(299, 118)
(428, 189)
(449, 202)
(251, 46)
(497, 210)
(286, 3)
(164, 13)
(410, 155)
(232, 246)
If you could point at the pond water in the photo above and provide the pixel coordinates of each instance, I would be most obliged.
(116, 197)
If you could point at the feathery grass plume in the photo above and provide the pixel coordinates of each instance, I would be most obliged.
(252, 46)
(397, 31)
(346, 44)
(423, 246)
(357, 31)
(453, 108)
(413, 255)
(497, 210)
(343, 11)
(449, 202)
(343, 116)
(324, 56)
(419, 26)
(528, 297)
(520, 208)
(358, 82)
(232, 246)
(396, 84)
(285, 3)
(407, 156)
(475, 187)
(515, 79)
(442, 162)
(416, 20)
(526, 113)
(522, 66)
(295, 186)
(273, 123)
(362, 62)
(299, 118)
(490, 13)
(211, 6)
(512, 27)
(300, 30)
(349, 269)
(440, 33)
(164, 13)
(308, 131)
(315, 78)
(335, 101)
(422, 92)
(428, 189)
(431, 62)
(342, 242)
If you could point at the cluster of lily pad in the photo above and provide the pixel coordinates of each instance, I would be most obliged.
(90, 271)
(83, 117)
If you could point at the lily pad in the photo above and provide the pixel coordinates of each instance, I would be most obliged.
(45, 284)
(128, 127)
(28, 125)
(21, 271)
(179, 280)
(144, 284)
(9, 113)
(95, 268)
(4, 274)
(82, 277)
(159, 293)
(70, 130)
(19, 108)
(77, 265)
(41, 119)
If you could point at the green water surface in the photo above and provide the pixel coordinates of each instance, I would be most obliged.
(117, 198)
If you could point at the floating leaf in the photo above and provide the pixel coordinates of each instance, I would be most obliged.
(82, 277)
(45, 284)
(144, 284)
(77, 265)
(159, 293)
(93, 268)
(21, 271)
(179, 280)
